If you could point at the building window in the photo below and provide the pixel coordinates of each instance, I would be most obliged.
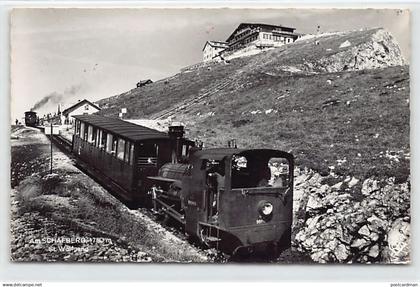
(86, 107)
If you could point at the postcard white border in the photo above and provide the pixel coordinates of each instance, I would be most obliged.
(204, 272)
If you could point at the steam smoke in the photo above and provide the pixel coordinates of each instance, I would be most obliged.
(55, 98)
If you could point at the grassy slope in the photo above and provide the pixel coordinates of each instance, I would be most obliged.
(368, 115)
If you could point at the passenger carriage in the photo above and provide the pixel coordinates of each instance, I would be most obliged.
(125, 152)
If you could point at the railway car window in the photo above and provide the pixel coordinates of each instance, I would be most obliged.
(147, 154)
(249, 172)
(184, 150)
(98, 138)
(120, 149)
(279, 168)
(77, 125)
(128, 147)
(255, 172)
(241, 174)
(90, 134)
(82, 129)
(131, 153)
(85, 132)
(108, 147)
(114, 145)
(104, 139)
(93, 138)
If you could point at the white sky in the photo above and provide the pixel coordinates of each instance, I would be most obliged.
(99, 53)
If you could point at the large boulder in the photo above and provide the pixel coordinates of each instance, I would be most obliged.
(369, 186)
(398, 249)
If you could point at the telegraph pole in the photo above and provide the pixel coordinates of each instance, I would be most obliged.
(51, 134)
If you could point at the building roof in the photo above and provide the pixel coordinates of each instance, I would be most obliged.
(269, 26)
(218, 44)
(78, 104)
(122, 128)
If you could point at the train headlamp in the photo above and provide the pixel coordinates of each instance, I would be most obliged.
(266, 208)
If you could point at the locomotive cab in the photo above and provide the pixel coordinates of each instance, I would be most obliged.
(237, 198)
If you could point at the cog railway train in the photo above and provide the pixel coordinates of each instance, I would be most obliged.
(31, 119)
(228, 198)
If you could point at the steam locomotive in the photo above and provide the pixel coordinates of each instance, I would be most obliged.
(227, 198)
(31, 119)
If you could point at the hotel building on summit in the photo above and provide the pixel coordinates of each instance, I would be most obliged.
(260, 36)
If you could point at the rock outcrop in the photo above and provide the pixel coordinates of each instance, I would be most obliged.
(366, 222)
(379, 51)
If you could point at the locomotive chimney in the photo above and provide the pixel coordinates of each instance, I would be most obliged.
(176, 133)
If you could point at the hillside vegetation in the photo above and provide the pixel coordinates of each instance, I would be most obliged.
(339, 102)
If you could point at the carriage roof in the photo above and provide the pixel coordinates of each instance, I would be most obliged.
(122, 128)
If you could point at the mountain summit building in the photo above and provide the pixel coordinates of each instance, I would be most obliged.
(212, 49)
(249, 36)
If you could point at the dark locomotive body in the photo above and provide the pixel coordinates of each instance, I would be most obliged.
(228, 198)
(232, 198)
(31, 119)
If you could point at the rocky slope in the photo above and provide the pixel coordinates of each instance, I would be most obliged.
(348, 221)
